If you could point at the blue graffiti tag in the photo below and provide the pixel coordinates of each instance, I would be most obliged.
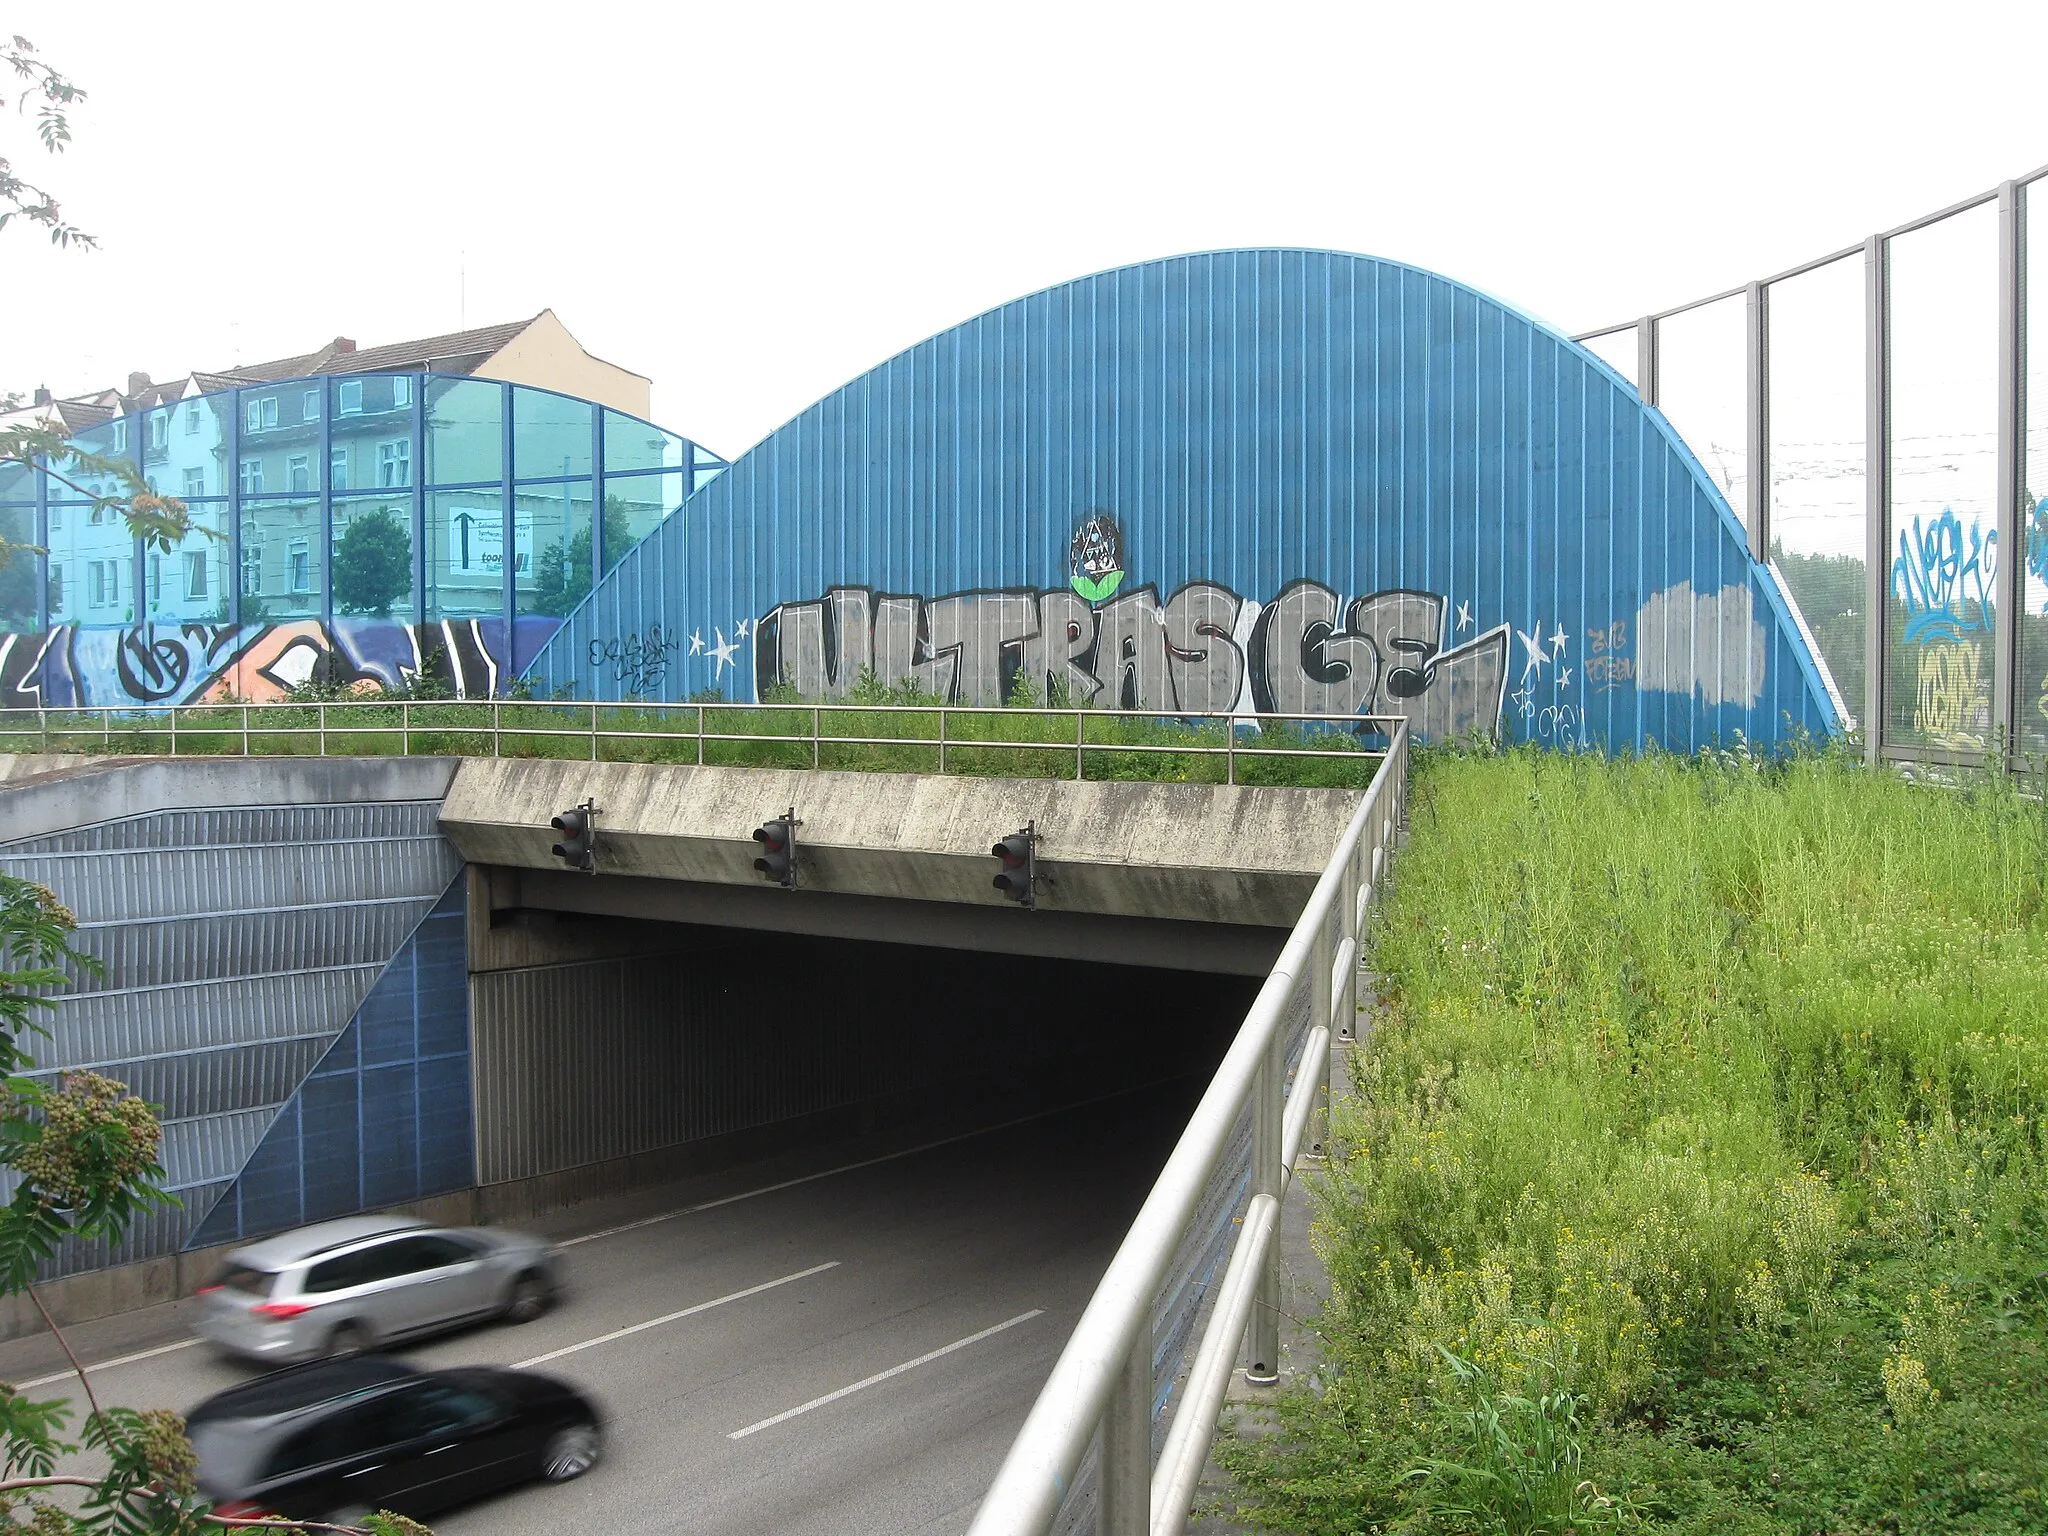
(2037, 544)
(1942, 572)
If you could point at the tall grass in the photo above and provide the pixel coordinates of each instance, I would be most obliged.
(1712, 1092)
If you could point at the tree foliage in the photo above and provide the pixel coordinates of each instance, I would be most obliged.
(372, 564)
(38, 86)
(562, 574)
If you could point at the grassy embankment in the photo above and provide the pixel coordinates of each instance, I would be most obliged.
(1695, 1181)
(776, 734)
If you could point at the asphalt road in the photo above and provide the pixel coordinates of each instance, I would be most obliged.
(848, 1353)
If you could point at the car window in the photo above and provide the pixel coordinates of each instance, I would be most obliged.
(435, 1408)
(241, 1277)
(412, 1255)
(340, 1436)
(339, 1272)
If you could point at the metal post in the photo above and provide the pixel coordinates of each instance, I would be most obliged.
(1877, 431)
(1080, 725)
(942, 738)
(1324, 1012)
(1262, 1338)
(1757, 408)
(1124, 1503)
(404, 728)
(245, 730)
(814, 735)
(173, 713)
(320, 719)
(2011, 593)
(1230, 751)
(497, 728)
(593, 730)
(700, 735)
(1646, 359)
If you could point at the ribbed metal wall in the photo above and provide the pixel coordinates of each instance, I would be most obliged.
(236, 945)
(1322, 482)
(580, 1064)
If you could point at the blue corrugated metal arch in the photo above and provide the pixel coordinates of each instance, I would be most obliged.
(1272, 480)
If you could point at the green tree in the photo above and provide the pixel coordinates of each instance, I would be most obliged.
(372, 564)
(562, 574)
(1830, 595)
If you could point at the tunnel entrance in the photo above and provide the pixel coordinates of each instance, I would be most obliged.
(612, 1054)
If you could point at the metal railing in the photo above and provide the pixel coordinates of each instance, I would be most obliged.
(1103, 1380)
(828, 735)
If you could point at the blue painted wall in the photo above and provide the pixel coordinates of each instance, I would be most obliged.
(385, 1116)
(1272, 479)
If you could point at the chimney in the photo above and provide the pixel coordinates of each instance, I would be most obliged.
(42, 395)
(137, 383)
(344, 344)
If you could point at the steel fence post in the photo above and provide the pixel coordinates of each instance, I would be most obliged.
(1323, 1012)
(405, 728)
(497, 728)
(942, 738)
(814, 735)
(1080, 727)
(1262, 1336)
(173, 713)
(1124, 1493)
(1230, 751)
(43, 728)
(593, 730)
(700, 735)
(245, 730)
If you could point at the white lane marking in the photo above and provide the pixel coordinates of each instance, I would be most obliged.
(870, 1162)
(106, 1365)
(656, 1322)
(881, 1376)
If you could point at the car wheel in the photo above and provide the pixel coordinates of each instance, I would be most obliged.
(349, 1339)
(528, 1300)
(571, 1452)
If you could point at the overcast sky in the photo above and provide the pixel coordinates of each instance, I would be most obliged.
(751, 203)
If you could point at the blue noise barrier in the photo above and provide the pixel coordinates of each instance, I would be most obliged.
(1251, 481)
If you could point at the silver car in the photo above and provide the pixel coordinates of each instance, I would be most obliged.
(346, 1286)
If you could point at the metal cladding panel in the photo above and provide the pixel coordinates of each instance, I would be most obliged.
(238, 1010)
(195, 1083)
(1283, 480)
(176, 951)
(233, 825)
(172, 882)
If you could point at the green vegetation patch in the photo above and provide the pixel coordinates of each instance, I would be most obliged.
(1695, 1177)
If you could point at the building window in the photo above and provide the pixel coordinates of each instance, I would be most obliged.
(191, 420)
(337, 469)
(309, 408)
(195, 482)
(299, 565)
(261, 415)
(298, 473)
(120, 434)
(159, 430)
(252, 570)
(394, 463)
(349, 395)
(156, 578)
(252, 477)
(102, 583)
(56, 588)
(56, 516)
(195, 573)
(401, 392)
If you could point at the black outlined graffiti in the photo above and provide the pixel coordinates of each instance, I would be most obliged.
(1306, 654)
(637, 662)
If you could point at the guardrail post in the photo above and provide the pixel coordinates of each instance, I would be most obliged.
(1080, 727)
(1324, 1012)
(320, 720)
(405, 728)
(1262, 1337)
(173, 713)
(1230, 751)
(593, 730)
(245, 730)
(700, 735)
(107, 731)
(942, 738)
(43, 728)
(1124, 1492)
(497, 727)
(814, 735)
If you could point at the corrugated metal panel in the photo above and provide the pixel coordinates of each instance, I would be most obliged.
(210, 1150)
(174, 951)
(1321, 482)
(204, 1016)
(172, 882)
(351, 822)
(216, 1082)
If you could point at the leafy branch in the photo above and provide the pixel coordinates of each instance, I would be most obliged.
(40, 87)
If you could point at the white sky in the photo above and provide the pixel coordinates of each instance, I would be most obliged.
(753, 202)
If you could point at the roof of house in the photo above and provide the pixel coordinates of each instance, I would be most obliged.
(454, 352)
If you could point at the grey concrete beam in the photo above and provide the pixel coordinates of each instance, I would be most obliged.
(1213, 854)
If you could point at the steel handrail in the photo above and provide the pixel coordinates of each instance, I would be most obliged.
(1092, 1382)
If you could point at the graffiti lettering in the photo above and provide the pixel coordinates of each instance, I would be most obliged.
(638, 662)
(1306, 654)
(1608, 665)
(1951, 705)
(1944, 577)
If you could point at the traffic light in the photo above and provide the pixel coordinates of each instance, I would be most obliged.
(1018, 878)
(778, 849)
(578, 847)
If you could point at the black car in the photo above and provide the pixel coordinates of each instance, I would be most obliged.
(337, 1439)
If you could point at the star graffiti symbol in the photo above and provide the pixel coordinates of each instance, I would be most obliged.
(1564, 677)
(1464, 617)
(739, 630)
(1557, 641)
(1532, 647)
(722, 653)
(696, 642)
(1525, 702)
